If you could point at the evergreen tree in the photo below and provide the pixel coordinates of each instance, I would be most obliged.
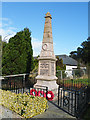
(60, 67)
(18, 54)
(82, 54)
(59, 64)
(86, 51)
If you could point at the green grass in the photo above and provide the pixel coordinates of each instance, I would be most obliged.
(83, 81)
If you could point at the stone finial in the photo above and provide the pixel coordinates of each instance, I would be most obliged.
(48, 15)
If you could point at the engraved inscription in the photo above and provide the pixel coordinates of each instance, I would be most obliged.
(44, 69)
(52, 68)
(44, 65)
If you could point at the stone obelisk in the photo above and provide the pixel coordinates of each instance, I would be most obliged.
(47, 60)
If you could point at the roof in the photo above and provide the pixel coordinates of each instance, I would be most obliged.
(68, 60)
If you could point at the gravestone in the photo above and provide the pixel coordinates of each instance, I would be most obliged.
(47, 60)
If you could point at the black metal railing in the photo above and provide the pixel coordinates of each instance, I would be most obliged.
(74, 101)
(13, 81)
(17, 81)
(73, 84)
(66, 100)
(73, 96)
(31, 91)
(16, 84)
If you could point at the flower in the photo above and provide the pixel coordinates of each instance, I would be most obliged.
(33, 92)
(42, 94)
(50, 95)
(24, 105)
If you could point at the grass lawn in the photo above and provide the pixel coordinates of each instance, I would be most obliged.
(83, 81)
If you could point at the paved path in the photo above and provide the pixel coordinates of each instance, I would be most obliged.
(51, 112)
(54, 112)
(6, 113)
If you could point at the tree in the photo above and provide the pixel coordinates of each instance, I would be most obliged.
(18, 54)
(73, 54)
(60, 67)
(82, 54)
(59, 64)
(86, 51)
(35, 65)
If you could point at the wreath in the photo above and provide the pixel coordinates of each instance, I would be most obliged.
(42, 94)
(33, 92)
(50, 95)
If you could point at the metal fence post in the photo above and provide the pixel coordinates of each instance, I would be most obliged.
(1, 78)
(72, 83)
(78, 109)
(16, 89)
(14, 85)
(58, 93)
(24, 80)
(61, 74)
(10, 84)
(75, 105)
(46, 92)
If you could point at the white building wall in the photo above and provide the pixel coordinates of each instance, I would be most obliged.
(69, 70)
(68, 67)
(83, 67)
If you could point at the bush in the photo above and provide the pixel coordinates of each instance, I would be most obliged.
(24, 104)
(79, 72)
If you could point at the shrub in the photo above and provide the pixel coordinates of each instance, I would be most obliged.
(24, 104)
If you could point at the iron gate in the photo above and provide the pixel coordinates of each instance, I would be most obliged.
(73, 101)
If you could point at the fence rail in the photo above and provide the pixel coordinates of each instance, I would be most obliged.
(17, 81)
(73, 84)
(71, 74)
(74, 101)
(73, 94)
(31, 91)
(21, 83)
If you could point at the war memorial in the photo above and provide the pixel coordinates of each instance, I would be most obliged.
(47, 60)
(70, 95)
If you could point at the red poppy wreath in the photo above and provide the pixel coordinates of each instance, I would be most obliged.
(50, 95)
(33, 92)
(41, 93)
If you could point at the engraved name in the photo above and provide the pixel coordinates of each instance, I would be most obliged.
(44, 69)
(52, 68)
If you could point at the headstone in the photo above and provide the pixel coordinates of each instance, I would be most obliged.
(47, 60)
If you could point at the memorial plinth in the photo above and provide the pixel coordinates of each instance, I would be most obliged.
(47, 60)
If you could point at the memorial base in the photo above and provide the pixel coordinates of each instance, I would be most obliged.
(50, 84)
